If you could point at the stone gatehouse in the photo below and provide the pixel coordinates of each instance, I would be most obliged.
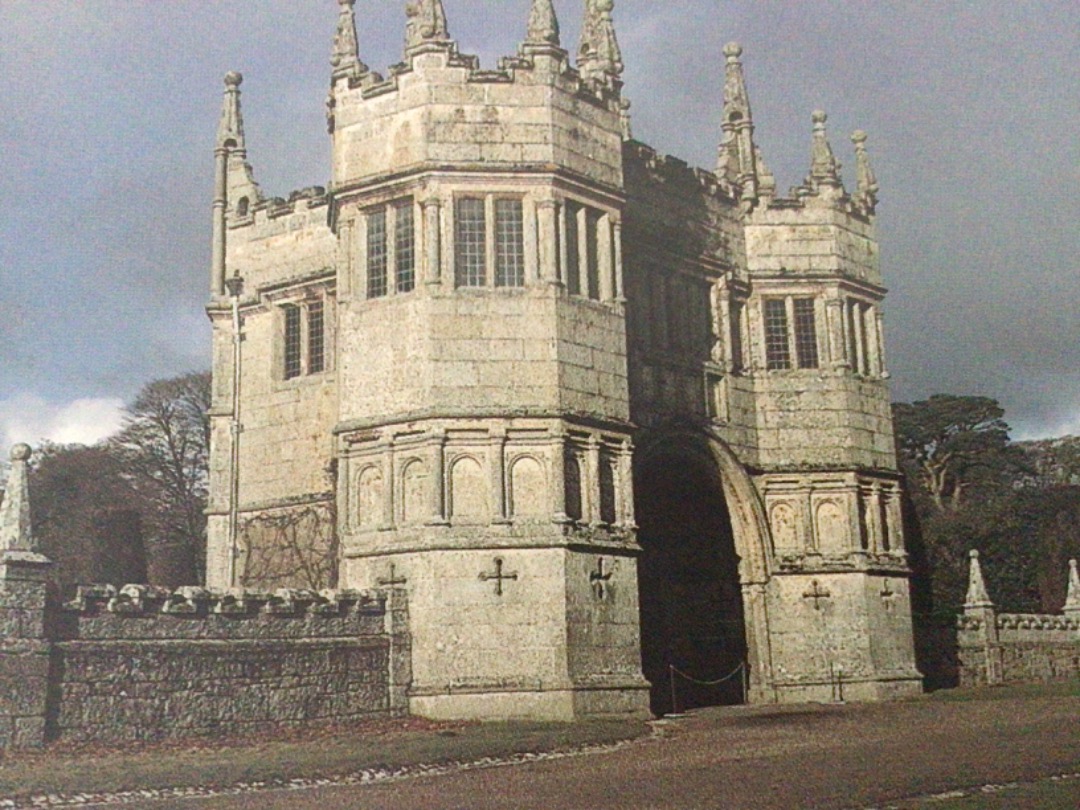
(598, 413)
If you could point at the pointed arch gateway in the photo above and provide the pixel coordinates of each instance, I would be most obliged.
(703, 570)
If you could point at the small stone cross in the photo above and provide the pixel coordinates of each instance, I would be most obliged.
(817, 593)
(393, 580)
(887, 595)
(498, 576)
(599, 578)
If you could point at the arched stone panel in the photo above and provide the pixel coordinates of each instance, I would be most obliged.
(528, 488)
(575, 499)
(609, 475)
(415, 500)
(469, 489)
(832, 527)
(369, 497)
(785, 529)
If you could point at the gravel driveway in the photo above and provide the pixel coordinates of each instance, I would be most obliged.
(855, 756)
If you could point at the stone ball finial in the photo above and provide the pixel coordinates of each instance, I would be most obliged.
(234, 78)
(21, 452)
(819, 117)
(858, 137)
(733, 50)
(974, 554)
(349, 3)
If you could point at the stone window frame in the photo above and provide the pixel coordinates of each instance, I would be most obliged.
(491, 270)
(786, 343)
(387, 246)
(862, 336)
(587, 246)
(736, 330)
(299, 360)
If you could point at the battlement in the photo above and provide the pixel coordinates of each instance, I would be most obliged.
(441, 111)
(199, 603)
(245, 212)
(672, 170)
(1002, 647)
(551, 62)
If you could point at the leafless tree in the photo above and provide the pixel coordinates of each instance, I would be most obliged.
(295, 547)
(165, 448)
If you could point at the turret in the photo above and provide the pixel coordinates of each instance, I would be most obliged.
(738, 155)
(16, 533)
(977, 597)
(235, 189)
(1072, 594)
(426, 25)
(824, 177)
(345, 58)
(866, 197)
(543, 25)
(599, 55)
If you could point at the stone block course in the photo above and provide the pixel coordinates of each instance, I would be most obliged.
(116, 666)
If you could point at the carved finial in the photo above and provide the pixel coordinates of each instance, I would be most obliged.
(1072, 597)
(345, 58)
(824, 167)
(737, 155)
(599, 55)
(543, 24)
(426, 23)
(868, 184)
(766, 179)
(16, 533)
(977, 597)
(231, 128)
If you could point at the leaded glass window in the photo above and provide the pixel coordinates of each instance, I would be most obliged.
(316, 329)
(509, 244)
(470, 243)
(293, 336)
(377, 254)
(777, 349)
(404, 247)
(806, 347)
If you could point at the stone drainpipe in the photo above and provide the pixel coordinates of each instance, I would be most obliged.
(24, 641)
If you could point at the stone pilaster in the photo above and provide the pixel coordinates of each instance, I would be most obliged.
(978, 635)
(24, 644)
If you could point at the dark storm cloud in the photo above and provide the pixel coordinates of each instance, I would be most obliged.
(109, 108)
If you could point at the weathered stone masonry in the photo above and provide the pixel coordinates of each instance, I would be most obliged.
(501, 329)
(143, 664)
(1016, 647)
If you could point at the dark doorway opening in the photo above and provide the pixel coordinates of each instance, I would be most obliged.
(691, 601)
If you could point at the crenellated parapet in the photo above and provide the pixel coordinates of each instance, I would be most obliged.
(199, 603)
(438, 109)
(1019, 647)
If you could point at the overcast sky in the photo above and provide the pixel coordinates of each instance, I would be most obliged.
(108, 111)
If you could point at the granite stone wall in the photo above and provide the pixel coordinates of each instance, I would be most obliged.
(1029, 648)
(142, 664)
(1010, 647)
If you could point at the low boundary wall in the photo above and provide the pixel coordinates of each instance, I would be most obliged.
(141, 663)
(1016, 647)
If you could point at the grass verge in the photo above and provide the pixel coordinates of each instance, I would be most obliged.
(1051, 794)
(339, 753)
(1011, 691)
